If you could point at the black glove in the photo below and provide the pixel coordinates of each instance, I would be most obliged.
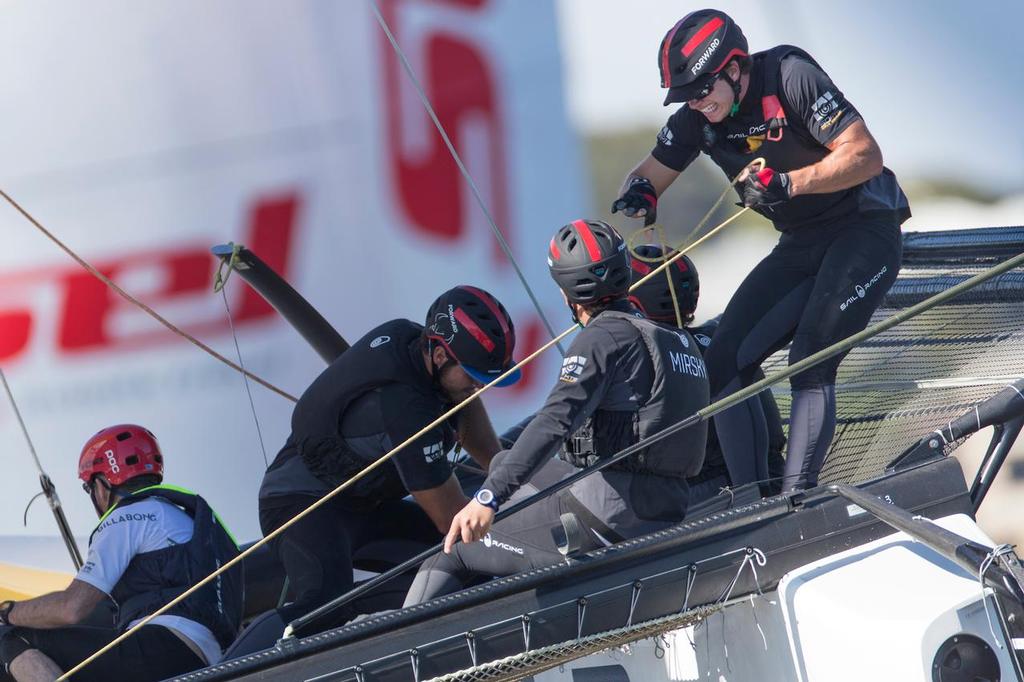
(765, 188)
(639, 196)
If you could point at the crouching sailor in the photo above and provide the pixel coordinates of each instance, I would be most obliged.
(398, 378)
(152, 543)
(623, 378)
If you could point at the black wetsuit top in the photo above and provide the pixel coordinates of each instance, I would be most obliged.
(372, 421)
(788, 115)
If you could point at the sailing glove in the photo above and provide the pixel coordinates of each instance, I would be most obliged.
(639, 196)
(765, 188)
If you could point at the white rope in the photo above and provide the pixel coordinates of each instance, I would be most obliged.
(993, 556)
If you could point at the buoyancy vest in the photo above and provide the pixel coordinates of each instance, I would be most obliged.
(782, 140)
(679, 388)
(152, 579)
(381, 357)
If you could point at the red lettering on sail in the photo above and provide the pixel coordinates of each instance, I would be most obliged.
(459, 81)
(89, 311)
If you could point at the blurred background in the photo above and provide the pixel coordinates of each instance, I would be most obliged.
(141, 134)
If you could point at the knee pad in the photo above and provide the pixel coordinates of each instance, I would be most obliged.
(12, 645)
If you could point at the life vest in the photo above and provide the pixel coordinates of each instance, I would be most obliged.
(770, 132)
(381, 357)
(152, 579)
(679, 389)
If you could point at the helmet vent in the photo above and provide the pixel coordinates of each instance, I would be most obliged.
(131, 460)
(124, 435)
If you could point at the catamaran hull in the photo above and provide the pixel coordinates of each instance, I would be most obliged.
(705, 563)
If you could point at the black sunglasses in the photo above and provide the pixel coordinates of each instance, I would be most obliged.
(706, 88)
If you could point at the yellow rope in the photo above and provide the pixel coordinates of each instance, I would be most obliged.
(134, 301)
(374, 465)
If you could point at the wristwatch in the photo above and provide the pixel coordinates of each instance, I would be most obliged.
(486, 498)
(5, 611)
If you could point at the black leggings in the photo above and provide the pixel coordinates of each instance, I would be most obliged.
(814, 290)
(152, 653)
(518, 543)
(317, 552)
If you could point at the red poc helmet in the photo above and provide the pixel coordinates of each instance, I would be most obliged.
(121, 453)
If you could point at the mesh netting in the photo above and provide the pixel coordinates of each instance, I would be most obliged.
(529, 663)
(919, 375)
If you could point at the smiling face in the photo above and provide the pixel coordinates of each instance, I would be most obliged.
(716, 104)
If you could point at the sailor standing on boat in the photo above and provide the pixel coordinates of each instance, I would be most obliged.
(661, 301)
(823, 187)
(152, 543)
(623, 378)
(391, 383)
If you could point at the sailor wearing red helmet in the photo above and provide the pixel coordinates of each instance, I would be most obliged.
(824, 188)
(391, 383)
(152, 543)
(623, 378)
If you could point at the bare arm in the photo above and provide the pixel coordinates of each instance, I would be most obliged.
(59, 609)
(477, 434)
(660, 175)
(855, 157)
(442, 503)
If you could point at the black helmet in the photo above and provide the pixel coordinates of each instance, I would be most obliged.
(588, 261)
(476, 331)
(700, 44)
(654, 297)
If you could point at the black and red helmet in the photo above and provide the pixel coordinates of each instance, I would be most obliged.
(699, 45)
(121, 453)
(476, 331)
(588, 260)
(654, 297)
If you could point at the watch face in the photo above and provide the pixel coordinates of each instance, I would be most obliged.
(484, 496)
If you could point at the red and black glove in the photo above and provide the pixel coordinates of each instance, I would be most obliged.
(765, 188)
(639, 196)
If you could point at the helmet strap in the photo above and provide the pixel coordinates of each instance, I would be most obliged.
(438, 370)
(735, 85)
(572, 311)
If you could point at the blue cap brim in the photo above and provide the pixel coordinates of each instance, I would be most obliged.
(488, 377)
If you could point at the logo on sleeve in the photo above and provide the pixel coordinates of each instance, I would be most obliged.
(434, 452)
(665, 137)
(826, 109)
(703, 339)
(572, 368)
(379, 341)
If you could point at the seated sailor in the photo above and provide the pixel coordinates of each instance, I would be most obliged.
(675, 302)
(395, 380)
(623, 378)
(152, 543)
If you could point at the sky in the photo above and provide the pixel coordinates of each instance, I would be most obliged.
(938, 83)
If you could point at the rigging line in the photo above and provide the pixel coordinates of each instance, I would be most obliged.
(462, 168)
(245, 378)
(21, 423)
(139, 304)
(49, 489)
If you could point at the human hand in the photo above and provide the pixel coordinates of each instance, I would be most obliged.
(638, 201)
(765, 188)
(469, 525)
